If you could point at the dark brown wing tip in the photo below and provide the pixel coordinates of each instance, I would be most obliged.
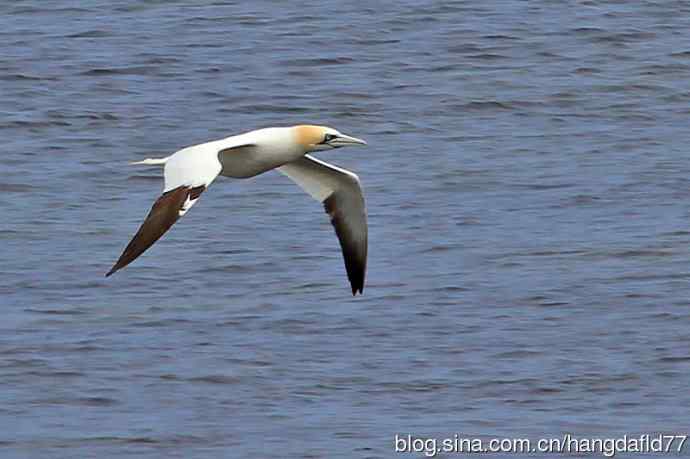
(356, 278)
(164, 213)
(359, 289)
(355, 264)
(116, 267)
(357, 286)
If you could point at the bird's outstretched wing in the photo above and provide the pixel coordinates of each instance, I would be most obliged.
(167, 209)
(340, 192)
(187, 174)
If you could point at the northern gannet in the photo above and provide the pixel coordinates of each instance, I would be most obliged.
(189, 171)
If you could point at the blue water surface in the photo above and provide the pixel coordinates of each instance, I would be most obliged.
(528, 191)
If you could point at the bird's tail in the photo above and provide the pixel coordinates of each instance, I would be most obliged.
(152, 161)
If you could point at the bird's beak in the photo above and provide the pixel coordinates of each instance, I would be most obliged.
(345, 140)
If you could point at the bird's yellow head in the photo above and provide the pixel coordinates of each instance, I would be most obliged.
(314, 138)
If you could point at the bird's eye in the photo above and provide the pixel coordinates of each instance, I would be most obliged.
(329, 137)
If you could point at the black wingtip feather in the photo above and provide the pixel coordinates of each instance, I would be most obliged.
(355, 262)
(164, 213)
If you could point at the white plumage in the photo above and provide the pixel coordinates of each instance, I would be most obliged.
(191, 170)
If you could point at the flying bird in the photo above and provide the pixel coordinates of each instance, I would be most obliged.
(190, 171)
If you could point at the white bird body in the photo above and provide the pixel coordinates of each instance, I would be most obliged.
(277, 146)
(189, 171)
